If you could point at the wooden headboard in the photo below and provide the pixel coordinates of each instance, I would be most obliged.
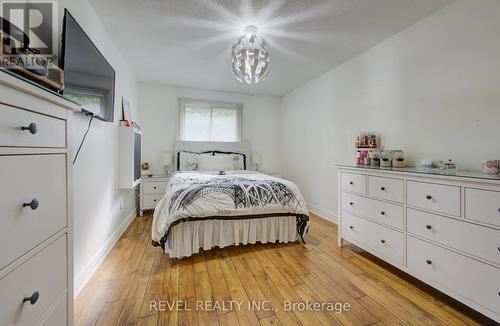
(242, 147)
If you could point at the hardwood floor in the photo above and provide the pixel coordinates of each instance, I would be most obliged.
(136, 277)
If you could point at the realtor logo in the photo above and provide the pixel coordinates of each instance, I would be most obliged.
(37, 19)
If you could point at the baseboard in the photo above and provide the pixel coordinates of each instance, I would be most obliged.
(331, 217)
(86, 273)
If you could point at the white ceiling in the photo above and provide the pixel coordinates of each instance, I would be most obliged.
(188, 42)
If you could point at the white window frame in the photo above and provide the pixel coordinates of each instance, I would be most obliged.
(210, 104)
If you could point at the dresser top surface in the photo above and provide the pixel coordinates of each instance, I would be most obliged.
(426, 171)
(27, 86)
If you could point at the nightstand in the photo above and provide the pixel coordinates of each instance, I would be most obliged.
(152, 191)
(271, 173)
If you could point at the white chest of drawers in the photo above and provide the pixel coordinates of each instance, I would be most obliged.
(152, 191)
(36, 256)
(442, 229)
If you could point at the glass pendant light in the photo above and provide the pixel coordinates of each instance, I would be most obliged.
(250, 57)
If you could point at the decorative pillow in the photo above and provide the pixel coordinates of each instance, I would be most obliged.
(215, 163)
(239, 160)
(187, 161)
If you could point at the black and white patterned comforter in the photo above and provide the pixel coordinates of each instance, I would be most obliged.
(194, 196)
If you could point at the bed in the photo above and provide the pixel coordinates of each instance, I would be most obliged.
(204, 207)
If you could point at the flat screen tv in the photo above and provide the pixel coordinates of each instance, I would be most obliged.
(89, 79)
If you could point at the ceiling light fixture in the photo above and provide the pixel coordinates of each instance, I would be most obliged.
(250, 57)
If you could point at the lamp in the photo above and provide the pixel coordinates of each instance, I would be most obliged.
(257, 160)
(166, 160)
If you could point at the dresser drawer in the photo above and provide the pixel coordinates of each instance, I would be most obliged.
(58, 316)
(151, 200)
(482, 206)
(468, 277)
(434, 197)
(154, 187)
(50, 132)
(44, 273)
(28, 177)
(354, 182)
(386, 242)
(386, 188)
(382, 212)
(484, 242)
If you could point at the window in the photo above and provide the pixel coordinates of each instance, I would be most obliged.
(92, 100)
(210, 121)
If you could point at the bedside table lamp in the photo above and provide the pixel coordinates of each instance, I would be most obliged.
(166, 161)
(257, 160)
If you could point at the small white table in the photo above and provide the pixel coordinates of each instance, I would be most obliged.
(271, 173)
(152, 191)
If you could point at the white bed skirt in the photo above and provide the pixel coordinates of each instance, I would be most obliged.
(187, 238)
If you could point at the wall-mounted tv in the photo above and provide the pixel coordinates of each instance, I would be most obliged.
(89, 79)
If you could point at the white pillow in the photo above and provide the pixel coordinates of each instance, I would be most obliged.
(215, 163)
(238, 159)
(189, 161)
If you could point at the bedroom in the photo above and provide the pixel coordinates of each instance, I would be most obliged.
(324, 238)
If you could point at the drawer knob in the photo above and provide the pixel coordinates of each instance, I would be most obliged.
(382, 213)
(428, 227)
(382, 188)
(32, 128)
(351, 183)
(33, 204)
(383, 241)
(154, 188)
(33, 299)
(351, 227)
(429, 262)
(428, 197)
(351, 203)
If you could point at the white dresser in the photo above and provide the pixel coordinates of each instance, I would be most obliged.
(442, 229)
(36, 255)
(152, 191)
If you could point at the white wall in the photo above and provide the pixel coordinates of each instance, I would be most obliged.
(432, 90)
(159, 113)
(99, 206)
